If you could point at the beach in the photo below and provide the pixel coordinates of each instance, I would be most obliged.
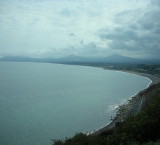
(154, 79)
(133, 106)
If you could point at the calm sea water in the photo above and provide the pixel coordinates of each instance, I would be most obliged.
(40, 101)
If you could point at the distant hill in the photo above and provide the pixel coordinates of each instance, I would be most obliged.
(25, 59)
(115, 58)
(73, 58)
(18, 59)
(70, 58)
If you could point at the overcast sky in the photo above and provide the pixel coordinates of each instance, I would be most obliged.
(55, 28)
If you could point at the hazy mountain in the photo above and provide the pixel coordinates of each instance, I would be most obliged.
(25, 59)
(73, 58)
(120, 59)
(115, 58)
(70, 58)
(17, 59)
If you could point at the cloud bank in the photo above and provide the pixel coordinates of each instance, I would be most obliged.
(51, 28)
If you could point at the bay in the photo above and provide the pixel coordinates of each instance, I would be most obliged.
(43, 101)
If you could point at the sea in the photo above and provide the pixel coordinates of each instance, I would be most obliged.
(42, 102)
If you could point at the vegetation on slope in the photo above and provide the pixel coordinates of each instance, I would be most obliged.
(135, 130)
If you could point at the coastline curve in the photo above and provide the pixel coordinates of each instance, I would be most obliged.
(138, 97)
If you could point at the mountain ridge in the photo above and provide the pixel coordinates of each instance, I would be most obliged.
(115, 58)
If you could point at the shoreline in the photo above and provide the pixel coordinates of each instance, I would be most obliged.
(135, 107)
(154, 79)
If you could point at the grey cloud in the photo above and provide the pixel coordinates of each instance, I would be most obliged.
(65, 13)
(122, 45)
(122, 34)
(35, 25)
(150, 21)
(76, 39)
(119, 29)
(146, 24)
(152, 15)
(87, 49)
(133, 26)
(91, 45)
(155, 2)
(72, 35)
(81, 41)
(157, 29)
(127, 16)
(140, 34)
(129, 39)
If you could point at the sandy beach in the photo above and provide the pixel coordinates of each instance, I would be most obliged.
(154, 79)
(134, 107)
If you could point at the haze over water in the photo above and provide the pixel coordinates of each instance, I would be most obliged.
(40, 101)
